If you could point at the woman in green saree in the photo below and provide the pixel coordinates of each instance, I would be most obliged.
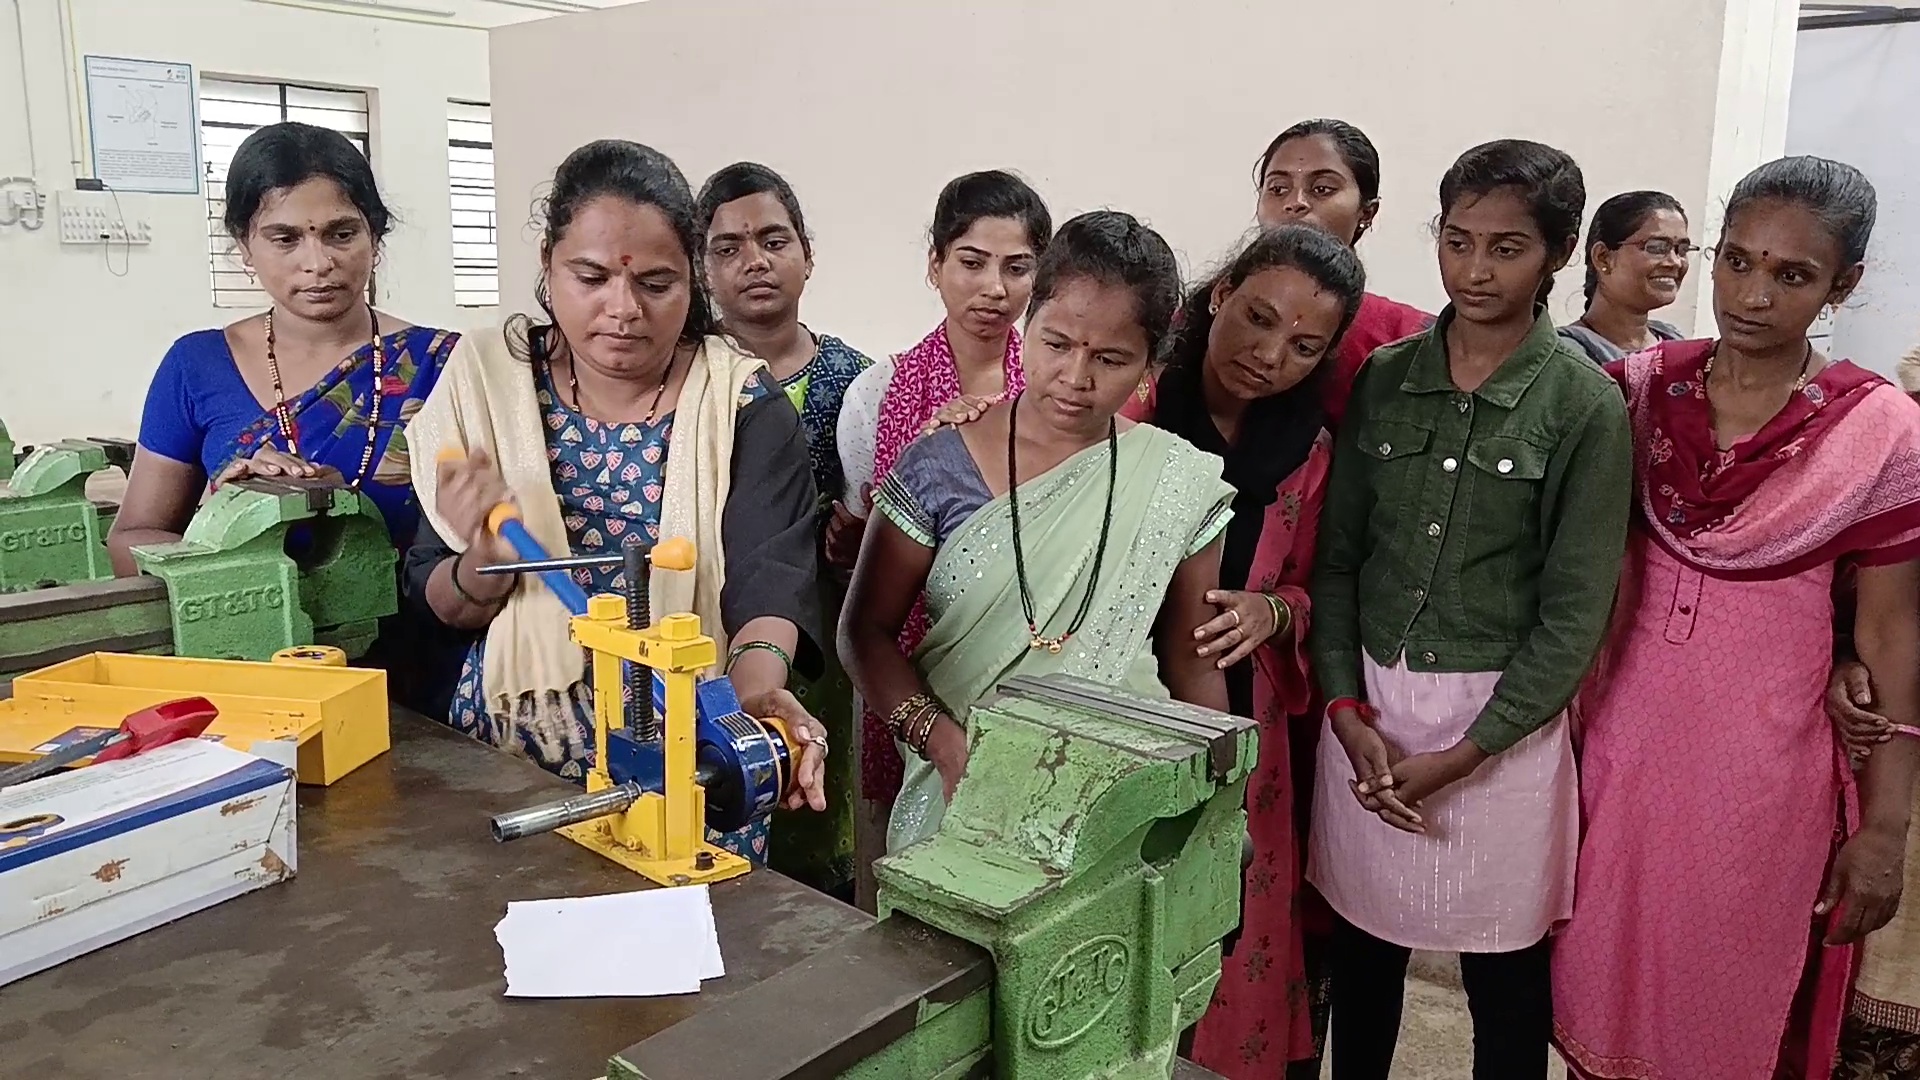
(1049, 535)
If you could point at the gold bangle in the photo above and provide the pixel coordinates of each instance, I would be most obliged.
(923, 733)
(1282, 614)
(909, 709)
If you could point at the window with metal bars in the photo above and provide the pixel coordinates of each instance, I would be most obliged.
(476, 234)
(232, 109)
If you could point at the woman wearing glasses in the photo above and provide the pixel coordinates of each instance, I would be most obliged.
(1637, 251)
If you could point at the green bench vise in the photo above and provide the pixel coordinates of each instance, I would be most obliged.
(50, 532)
(265, 565)
(1064, 924)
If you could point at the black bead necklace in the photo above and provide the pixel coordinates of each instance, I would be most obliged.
(1036, 641)
(283, 413)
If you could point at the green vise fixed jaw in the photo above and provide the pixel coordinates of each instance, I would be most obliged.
(269, 564)
(50, 533)
(1064, 923)
(6, 454)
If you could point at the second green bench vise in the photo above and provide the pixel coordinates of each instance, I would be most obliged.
(265, 565)
(50, 532)
(1064, 923)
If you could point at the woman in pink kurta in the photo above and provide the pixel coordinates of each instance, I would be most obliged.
(989, 231)
(1244, 383)
(1709, 939)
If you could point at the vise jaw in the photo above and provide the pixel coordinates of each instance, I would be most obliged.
(1094, 851)
(266, 563)
(50, 533)
(1063, 924)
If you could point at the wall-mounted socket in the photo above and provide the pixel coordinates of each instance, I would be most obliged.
(103, 217)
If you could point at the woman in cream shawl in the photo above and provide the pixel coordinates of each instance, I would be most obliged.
(620, 420)
(1048, 536)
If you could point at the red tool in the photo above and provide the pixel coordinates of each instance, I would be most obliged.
(172, 721)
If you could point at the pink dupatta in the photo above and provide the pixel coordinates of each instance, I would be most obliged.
(924, 379)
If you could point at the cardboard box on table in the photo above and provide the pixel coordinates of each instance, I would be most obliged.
(99, 854)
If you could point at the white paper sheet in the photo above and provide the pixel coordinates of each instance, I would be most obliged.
(639, 944)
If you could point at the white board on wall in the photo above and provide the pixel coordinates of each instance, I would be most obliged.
(143, 125)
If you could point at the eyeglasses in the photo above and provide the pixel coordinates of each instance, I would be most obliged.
(1659, 247)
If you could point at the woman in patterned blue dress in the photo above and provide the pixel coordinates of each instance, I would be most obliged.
(758, 259)
(620, 420)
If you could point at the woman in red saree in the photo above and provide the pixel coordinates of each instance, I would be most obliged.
(1727, 869)
(1245, 383)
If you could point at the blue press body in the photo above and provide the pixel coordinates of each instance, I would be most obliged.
(745, 765)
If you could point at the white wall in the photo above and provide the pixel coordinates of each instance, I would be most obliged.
(80, 342)
(1854, 96)
(1160, 110)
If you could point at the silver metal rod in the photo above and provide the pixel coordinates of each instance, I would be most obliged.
(541, 566)
(572, 811)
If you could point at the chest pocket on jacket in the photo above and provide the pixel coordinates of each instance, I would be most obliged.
(1397, 452)
(1393, 440)
(1508, 474)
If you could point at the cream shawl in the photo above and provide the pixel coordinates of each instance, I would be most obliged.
(486, 399)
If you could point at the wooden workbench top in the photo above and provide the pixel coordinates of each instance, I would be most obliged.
(378, 961)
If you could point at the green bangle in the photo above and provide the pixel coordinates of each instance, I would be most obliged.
(1282, 614)
(734, 654)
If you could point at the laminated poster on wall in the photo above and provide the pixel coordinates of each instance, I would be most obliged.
(143, 125)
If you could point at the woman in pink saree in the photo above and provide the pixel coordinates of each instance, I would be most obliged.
(1729, 865)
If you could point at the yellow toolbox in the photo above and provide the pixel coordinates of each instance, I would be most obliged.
(303, 709)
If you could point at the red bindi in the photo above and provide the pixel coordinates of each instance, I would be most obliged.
(626, 260)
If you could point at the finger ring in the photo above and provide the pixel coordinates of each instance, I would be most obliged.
(1236, 617)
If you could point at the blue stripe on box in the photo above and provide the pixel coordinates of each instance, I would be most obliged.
(252, 776)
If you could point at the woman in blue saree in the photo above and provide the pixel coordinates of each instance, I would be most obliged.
(318, 383)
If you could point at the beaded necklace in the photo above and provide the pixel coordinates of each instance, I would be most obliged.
(283, 415)
(1036, 639)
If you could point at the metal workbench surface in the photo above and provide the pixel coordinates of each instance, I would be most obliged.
(378, 961)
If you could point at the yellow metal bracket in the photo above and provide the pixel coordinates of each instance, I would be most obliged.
(662, 836)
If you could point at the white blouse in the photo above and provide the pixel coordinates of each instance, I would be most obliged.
(858, 430)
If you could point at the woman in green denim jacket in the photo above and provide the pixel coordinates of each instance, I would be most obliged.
(1470, 547)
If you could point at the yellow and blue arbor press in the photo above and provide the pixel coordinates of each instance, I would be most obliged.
(655, 788)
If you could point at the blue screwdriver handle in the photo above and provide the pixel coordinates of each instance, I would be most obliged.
(506, 524)
(504, 521)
